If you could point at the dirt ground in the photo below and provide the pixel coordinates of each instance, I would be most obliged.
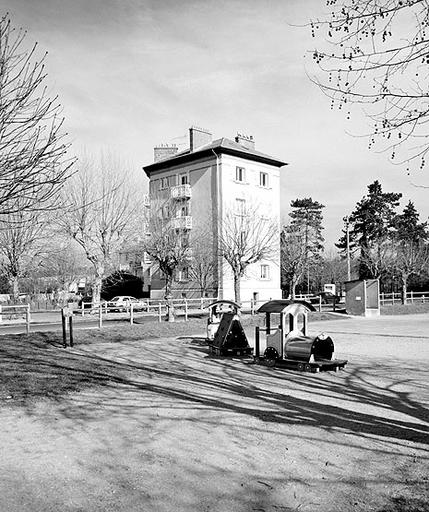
(177, 430)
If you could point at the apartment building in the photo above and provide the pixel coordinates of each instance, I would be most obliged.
(200, 186)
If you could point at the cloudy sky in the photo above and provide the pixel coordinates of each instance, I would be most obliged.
(135, 73)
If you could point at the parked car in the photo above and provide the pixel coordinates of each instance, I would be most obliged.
(325, 298)
(329, 298)
(123, 303)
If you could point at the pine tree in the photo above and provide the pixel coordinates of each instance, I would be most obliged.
(410, 244)
(305, 234)
(372, 223)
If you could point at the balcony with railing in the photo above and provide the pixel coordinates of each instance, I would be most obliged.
(184, 222)
(181, 191)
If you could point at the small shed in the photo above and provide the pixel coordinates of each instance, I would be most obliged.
(363, 297)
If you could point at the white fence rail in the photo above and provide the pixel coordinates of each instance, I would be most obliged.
(150, 307)
(19, 314)
(396, 298)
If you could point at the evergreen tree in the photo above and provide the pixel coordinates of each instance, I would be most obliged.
(371, 225)
(410, 246)
(302, 241)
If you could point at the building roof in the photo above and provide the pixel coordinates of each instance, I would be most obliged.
(219, 146)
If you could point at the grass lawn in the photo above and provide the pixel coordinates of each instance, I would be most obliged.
(36, 366)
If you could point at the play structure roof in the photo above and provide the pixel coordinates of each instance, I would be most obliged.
(223, 302)
(278, 306)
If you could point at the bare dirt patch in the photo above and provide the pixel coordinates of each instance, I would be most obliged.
(128, 423)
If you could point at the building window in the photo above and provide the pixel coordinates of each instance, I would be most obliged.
(183, 211)
(265, 271)
(183, 179)
(263, 179)
(163, 183)
(240, 206)
(166, 211)
(184, 274)
(240, 174)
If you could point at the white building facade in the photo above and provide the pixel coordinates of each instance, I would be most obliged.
(207, 181)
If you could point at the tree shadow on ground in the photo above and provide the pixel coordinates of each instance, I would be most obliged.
(369, 400)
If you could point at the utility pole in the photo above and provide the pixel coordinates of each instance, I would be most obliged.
(346, 220)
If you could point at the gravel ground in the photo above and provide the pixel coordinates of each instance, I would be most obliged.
(171, 429)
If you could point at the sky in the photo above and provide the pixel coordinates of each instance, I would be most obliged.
(132, 74)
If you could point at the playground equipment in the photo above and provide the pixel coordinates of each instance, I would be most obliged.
(289, 344)
(225, 333)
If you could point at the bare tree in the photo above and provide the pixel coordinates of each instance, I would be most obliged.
(246, 236)
(21, 236)
(375, 54)
(33, 159)
(62, 264)
(378, 257)
(411, 260)
(334, 268)
(293, 257)
(101, 205)
(203, 262)
(167, 243)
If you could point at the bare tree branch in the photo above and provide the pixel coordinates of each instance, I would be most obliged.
(33, 151)
(100, 207)
(376, 53)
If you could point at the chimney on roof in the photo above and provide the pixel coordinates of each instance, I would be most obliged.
(164, 151)
(245, 140)
(198, 137)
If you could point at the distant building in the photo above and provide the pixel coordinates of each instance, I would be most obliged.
(204, 182)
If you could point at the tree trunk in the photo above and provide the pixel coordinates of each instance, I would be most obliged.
(404, 289)
(292, 287)
(14, 284)
(96, 288)
(237, 289)
(169, 317)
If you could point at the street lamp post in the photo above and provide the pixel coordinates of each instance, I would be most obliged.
(346, 220)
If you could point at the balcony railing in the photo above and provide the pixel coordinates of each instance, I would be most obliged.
(181, 191)
(184, 222)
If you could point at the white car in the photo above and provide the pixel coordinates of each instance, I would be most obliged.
(123, 303)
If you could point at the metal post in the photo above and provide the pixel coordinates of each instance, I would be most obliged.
(132, 313)
(320, 303)
(159, 312)
(63, 321)
(257, 341)
(71, 329)
(186, 310)
(83, 308)
(27, 318)
(100, 316)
